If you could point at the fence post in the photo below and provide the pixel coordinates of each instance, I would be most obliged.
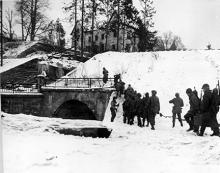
(39, 84)
(13, 87)
(90, 83)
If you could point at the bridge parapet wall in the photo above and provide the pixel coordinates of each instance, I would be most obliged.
(27, 103)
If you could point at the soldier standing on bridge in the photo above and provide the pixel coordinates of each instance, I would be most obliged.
(113, 108)
(105, 75)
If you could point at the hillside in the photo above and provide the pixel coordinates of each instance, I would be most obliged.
(167, 72)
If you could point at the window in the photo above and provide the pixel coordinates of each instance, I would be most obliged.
(128, 35)
(113, 47)
(115, 34)
(96, 37)
(102, 47)
(90, 39)
(127, 47)
(103, 36)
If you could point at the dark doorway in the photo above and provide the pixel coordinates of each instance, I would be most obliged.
(74, 109)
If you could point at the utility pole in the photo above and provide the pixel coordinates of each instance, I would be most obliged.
(82, 30)
(1, 33)
(75, 32)
(118, 25)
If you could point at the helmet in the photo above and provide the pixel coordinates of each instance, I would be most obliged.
(205, 86)
(154, 92)
(177, 94)
(189, 90)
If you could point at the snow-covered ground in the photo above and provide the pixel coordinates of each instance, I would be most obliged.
(31, 146)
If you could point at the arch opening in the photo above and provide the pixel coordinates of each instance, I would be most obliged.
(74, 109)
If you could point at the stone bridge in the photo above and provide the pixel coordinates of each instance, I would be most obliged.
(75, 103)
(63, 102)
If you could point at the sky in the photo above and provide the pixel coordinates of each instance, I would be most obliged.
(197, 22)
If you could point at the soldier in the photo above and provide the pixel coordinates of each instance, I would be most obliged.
(177, 108)
(126, 107)
(194, 109)
(116, 79)
(131, 110)
(215, 109)
(145, 101)
(113, 108)
(129, 91)
(154, 106)
(105, 75)
(209, 111)
(138, 109)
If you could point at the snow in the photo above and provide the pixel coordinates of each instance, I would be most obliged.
(14, 62)
(12, 53)
(11, 61)
(167, 72)
(30, 145)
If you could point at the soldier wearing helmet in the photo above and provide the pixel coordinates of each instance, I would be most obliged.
(177, 108)
(194, 109)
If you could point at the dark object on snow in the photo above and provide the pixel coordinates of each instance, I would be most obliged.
(95, 132)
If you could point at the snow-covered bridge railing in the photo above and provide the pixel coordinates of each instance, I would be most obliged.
(19, 88)
(81, 83)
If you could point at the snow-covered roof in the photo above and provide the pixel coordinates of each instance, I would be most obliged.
(14, 62)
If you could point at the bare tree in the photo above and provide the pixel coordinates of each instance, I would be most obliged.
(8, 25)
(19, 6)
(169, 41)
(33, 20)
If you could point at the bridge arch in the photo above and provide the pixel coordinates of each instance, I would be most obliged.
(74, 109)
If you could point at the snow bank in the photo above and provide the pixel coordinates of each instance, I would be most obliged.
(13, 53)
(14, 62)
(167, 72)
(30, 145)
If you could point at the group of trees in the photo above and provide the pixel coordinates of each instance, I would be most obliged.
(30, 15)
(111, 15)
(168, 41)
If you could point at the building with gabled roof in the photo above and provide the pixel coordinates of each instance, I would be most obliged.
(128, 40)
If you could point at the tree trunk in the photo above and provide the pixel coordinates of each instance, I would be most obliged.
(93, 18)
(22, 22)
(118, 25)
(82, 30)
(75, 34)
(33, 18)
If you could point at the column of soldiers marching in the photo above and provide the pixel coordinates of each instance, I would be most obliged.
(201, 114)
